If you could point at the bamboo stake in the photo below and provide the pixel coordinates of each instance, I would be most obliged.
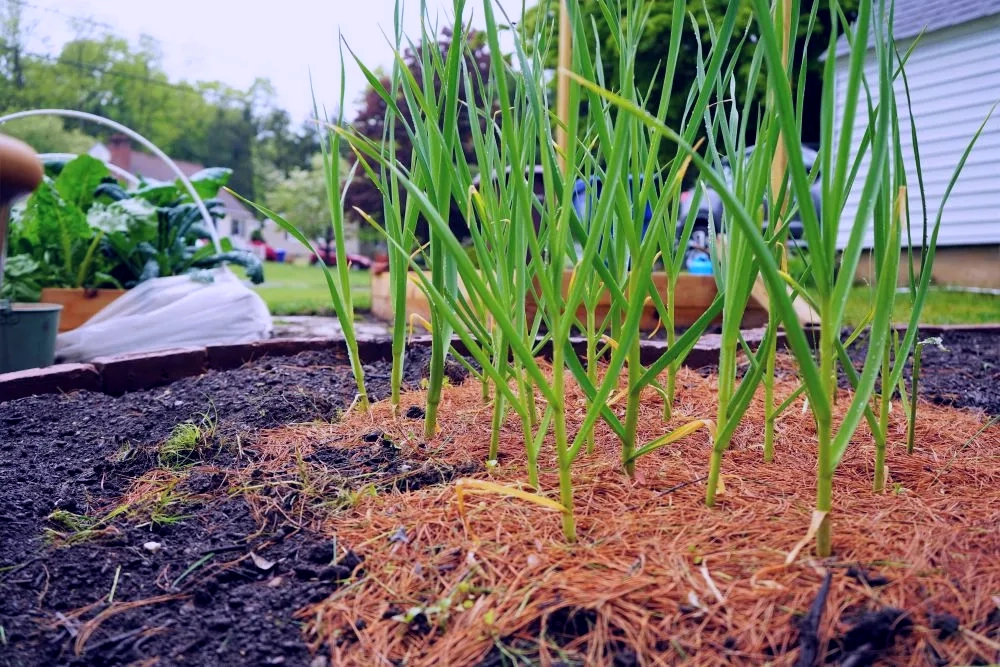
(562, 96)
(779, 169)
(779, 165)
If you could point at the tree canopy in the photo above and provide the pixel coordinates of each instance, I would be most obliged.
(207, 122)
(301, 198)
(370, 120)
(702, 17)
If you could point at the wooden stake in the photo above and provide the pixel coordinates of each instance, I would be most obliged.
(562, 95)
(779, 170)
(779, 166)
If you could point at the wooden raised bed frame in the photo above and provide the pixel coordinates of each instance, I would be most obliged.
(694, 294)
(79, 304)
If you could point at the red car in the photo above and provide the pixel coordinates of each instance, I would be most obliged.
(270, 254)
(329, 256)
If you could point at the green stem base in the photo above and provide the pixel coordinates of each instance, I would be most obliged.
(714, 472)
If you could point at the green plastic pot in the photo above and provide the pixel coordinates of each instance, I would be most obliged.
(28, 335)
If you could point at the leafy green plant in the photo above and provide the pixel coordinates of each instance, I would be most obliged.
(81, 228)
(173, 240)
(20, 282)
(819, 378)
(881, 206)
(52, 228)
(517, 261)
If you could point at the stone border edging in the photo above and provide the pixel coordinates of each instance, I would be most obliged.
(117, 375)
(146, 370)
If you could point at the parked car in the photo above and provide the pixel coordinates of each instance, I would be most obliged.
(710, 208)
(329, 256)
(268, 253)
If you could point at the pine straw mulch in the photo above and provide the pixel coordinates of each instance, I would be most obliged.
(656, 577)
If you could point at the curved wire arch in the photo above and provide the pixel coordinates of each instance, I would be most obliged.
(113, 168)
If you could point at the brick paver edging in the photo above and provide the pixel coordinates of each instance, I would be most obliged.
(146, 370)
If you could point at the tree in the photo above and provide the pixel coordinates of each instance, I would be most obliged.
(283, 147)
(370, 120)
(301, 198)
(652, 54)
(210, 123)
(47, 134)
(13, 34)
(278, 147)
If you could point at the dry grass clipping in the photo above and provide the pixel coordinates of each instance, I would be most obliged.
(656, 577)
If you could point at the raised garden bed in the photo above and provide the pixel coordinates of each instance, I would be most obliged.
(78, 304)
(230, 518)
(694, 295)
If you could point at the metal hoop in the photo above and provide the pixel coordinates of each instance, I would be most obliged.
(113, 168)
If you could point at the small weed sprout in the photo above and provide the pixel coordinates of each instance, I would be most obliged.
(180, 448)
(75, 528)
(72, 521)
(124, 453)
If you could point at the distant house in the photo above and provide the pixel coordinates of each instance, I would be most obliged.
(954, 80)
(239, 222)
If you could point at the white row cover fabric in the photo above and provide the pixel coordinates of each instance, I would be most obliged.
(171, 312)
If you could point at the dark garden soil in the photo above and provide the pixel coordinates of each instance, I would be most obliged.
(212, 581)
(964, 372)
(117, 548)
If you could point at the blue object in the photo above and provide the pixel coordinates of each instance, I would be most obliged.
(280, 255)
(700, 266)
(580, 199)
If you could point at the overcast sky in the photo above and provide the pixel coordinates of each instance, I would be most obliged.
(236, 41)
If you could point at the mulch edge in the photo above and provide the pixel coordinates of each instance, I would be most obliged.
(145, 370)
(396, 517)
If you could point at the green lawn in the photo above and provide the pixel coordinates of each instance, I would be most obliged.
(941, 307)
(301, 289)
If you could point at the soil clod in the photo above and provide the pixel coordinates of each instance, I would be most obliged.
(373, 436)
(871, 634)
(945, 624)
(808, 626)
(321, 553)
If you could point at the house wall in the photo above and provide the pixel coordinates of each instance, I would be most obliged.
(239, 228)
(224, 227)
(954, 80)
(954, 266)
(236, 228)
(279, 239)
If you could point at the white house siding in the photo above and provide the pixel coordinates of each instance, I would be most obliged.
(954, 80)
